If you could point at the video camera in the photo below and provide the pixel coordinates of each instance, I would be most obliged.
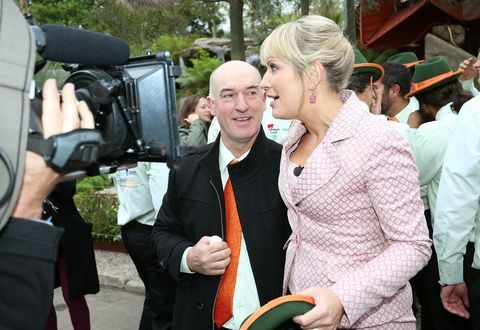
(133, 101)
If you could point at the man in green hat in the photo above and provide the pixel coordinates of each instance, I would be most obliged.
(407, 60)
(362, 81)
(396, 85)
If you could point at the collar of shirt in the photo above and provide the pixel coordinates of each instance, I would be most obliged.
(445, 110)
(364, 106)
(224, 158)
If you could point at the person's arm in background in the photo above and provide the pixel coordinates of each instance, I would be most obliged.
(457, 207)
(470, 67)
(28, 248)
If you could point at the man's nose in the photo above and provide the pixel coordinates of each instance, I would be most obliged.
(241, 104)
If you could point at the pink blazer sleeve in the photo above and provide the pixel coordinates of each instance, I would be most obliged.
(391, 180)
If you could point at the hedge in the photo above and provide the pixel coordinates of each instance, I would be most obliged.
(98, 207)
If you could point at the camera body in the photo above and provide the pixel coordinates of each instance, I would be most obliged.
(134, 107)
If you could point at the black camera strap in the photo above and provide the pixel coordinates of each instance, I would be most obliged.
(68, 151)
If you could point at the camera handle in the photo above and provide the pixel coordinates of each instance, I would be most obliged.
(69, 151)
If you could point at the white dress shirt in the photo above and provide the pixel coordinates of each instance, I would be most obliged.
(245, 298)
(429, 143)
(412, 106)
(469, 86)
(457, 214)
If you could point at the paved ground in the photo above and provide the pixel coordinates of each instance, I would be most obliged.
(119, 303)
(109, 309)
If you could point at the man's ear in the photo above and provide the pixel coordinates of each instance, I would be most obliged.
(211, 105)
(395, 90)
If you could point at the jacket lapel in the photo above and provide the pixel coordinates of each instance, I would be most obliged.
(324, 162)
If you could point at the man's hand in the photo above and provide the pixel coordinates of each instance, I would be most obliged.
(326, 314)
(208, 258)
(470, 71)
(455, 299)
(38, 178)
(376, 107)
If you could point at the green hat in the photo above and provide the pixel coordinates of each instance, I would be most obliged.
(407, 59)
(362, 66)
(278, 311)
(432, 73)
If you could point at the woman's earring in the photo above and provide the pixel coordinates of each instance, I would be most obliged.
(312, 99)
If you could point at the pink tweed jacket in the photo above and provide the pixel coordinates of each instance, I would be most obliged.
(357, 218)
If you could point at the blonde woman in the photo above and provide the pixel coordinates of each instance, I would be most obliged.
(350, 183)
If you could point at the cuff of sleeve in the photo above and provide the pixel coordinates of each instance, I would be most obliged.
(467, 84)
(450, 273)
(183, 264)
(30, 239)
(347, 312)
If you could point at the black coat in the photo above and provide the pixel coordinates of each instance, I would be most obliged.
(28, 251)
(193, 207)
(76, 245)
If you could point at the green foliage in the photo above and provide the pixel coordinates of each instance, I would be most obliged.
(99, 208)
(140, 28)
(377, 56)
(67, 12)
(195, 80)
(332, 9)
(264, 16)
(93, 183)
(173, 43)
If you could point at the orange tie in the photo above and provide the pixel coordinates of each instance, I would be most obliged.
(393, 119)
(224, 304)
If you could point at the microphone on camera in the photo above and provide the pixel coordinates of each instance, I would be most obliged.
(71, 45)
(298, 170)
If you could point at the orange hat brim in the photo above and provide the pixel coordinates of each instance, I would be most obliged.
(371, 65)
(411, 64)
(426, 84)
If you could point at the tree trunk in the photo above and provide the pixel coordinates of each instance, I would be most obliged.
(236, 30)
(350, 20)
(304, 7)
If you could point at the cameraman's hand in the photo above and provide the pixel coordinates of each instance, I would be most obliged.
(208, 258)
(38, 178)
(191, 117)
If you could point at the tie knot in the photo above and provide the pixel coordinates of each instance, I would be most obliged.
(233, 162)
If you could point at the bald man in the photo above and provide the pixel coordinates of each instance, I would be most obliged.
(222, 225)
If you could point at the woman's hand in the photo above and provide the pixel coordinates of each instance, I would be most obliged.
(326, 314)
(191, 117)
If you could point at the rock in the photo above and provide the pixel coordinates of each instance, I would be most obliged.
(457, 33)
(435, 46)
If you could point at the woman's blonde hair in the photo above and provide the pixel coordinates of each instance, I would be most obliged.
(309, 39)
